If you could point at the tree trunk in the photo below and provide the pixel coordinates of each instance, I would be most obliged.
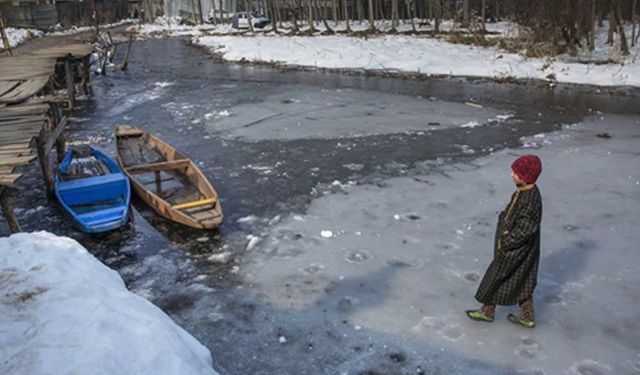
(411, 12)
(249, 19)
(592, 26)
(633, 22)
(200, 11)
(496, 12)
(346, 15)
(324, 20)
(394, 15)
(612, 24)
(465, 13)
(222, 18)
(360, 11)
(372, 26)
(437, 13)
(484, 17)
(272, 10)
(334, 11)
(312, 28)
(617, 10)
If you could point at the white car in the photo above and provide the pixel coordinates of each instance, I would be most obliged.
(241, 21)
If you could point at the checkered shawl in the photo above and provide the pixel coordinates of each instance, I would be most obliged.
(512, 275)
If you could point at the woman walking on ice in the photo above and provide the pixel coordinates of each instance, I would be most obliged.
(512, 275)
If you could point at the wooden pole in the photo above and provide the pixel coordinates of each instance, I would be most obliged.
(86, 75)
(45, 163)
(7, 210)
(71, 88)
(125, 63)
(5, 39)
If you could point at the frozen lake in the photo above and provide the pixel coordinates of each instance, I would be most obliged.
(360, 213)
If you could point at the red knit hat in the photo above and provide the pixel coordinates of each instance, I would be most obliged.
(528, 168)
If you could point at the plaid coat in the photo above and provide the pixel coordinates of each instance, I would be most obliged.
(512, 275)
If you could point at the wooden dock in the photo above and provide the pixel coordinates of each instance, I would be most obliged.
(32, 118)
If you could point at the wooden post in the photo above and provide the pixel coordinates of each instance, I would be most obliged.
(7, 210)
(45, 163)
(5, 39)
(71, 88)
(86, 75)
(55, 120)
(125, 63)
(61, 147)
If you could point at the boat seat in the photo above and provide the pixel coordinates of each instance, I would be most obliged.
(96, 218)
(90, 181)
(161, 166)
(192, 204)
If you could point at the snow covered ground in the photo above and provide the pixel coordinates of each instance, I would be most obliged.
(18, 36)
(415, 54)
(404, 258)
(81, 29)
(64, 312)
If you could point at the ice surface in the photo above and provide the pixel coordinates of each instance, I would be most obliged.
(64, 312)
(409, 257)
(298, 113)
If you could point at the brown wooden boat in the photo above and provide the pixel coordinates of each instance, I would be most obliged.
(167, 180)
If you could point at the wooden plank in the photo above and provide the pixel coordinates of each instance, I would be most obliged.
(6, 86)
(25, 90)
(15, 146)
(27, 109)
(198, 203)
(15, 161)
(9, 179)
(162, 166)
(16, 152)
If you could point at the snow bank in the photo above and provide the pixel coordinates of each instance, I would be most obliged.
(414, 54)
(81, 29)
(64, 312)
(19, 36)
(172, 26)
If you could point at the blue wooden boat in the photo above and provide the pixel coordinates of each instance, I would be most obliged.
(93, 190)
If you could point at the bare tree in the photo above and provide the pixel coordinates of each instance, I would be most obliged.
(346, 15)
(465, 13)
(411, 13)
(360, 11)
(616, 9)
(394, 15)
(633, 21)
(372, 26)
(273, 16)
(248, 12)
(324, 20)
(484, 17)
(437, 13)
(312, 28)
